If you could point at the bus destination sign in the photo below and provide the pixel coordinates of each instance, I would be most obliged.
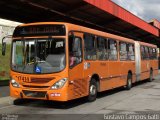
(40, 30)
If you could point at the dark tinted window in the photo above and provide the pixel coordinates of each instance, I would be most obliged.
(123, 51)
(142, 52)
(75, 51)
(154, 53)
(112, 49)
(90, 49)
(101, 48)
(146, 53)
(131, 53)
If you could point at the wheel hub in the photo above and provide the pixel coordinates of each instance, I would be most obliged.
(92, 89)
(129, 82)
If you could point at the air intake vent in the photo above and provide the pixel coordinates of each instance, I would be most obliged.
(31, 86)
(35, 94)
(41, 80)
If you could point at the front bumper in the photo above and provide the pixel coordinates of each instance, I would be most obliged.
(42, 94)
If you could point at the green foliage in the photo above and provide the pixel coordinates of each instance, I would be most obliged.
(5, 63)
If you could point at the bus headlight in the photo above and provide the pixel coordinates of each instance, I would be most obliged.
(15, 84)
(59, 84)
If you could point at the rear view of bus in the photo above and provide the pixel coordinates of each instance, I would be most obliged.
(39, 62)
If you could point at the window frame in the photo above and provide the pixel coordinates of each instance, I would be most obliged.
(142, 52)
(81, 43)
(105, 48)
(94, 46)
(120, 42)
(115, 41)
(133, 48)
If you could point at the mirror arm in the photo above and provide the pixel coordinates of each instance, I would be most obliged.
(8, 36)
(4, 44)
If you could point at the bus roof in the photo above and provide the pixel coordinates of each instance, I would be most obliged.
(88, 30)
(148, 44)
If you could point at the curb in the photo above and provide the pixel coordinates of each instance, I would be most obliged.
(4, 82)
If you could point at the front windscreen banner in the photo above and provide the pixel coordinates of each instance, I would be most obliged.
(40, 30)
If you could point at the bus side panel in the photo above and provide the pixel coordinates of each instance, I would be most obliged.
(125, 67)
(113, 78)
(99, 68)
(154, 66)
(138, 61)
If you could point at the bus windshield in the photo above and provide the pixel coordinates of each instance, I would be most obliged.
(38, 56)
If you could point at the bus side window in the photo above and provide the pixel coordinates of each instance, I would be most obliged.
(112, 49)
(131, 54)
(150, 54)
(123, 51)
(90, 48)
(142, 53)
(146, 53)
(154, 53)
(101, 49)
(75, 51)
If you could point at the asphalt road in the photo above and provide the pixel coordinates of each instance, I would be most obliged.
(142, 98)
(4, 91)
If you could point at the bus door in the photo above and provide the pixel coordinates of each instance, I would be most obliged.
(76, 67)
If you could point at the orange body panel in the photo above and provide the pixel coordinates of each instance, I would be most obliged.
(146, 65)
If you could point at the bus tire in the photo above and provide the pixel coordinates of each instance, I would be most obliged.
(18, 101)
(151, 76)
(129, 82)
(92, 91)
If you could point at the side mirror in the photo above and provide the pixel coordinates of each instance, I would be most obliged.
(3, 49)
(4, 44)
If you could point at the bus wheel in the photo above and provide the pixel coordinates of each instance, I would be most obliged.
(151, 76)
(129, 82)
(92, 90)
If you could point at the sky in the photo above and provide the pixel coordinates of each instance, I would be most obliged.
(145, 9)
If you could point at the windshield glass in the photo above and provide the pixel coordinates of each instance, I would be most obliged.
(38, 55)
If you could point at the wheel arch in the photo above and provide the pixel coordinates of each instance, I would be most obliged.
(97, 78)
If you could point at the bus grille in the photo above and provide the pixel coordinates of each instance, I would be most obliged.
(35, 94)
(41, 80)
(30, 86)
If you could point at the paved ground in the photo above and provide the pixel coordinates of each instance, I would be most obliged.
(144, 97)
(4, 91)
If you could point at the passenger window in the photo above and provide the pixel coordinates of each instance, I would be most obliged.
(112, 49)
(150, 53)
(142, 53)
(154, 53)
(123, 51)
(131, 54)
(90, 49)
(75, 51)
(146, 53)
(101, 48)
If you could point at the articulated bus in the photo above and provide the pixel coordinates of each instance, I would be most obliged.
(62, 61)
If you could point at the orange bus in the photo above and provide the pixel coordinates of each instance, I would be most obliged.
(62, 61)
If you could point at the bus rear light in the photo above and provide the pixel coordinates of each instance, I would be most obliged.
(15, 84)
(59, 84)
